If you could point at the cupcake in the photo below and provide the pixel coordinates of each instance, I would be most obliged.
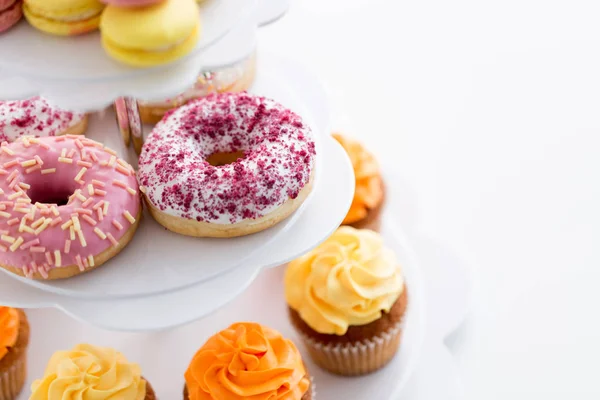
(91, 372)
(247, 361)
(369, 195)
(14, 339)
(347, 299)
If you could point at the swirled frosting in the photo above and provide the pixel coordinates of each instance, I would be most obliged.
(347, 280)
(369, 189)
(89, 373)
(247, 361)
(9, 329)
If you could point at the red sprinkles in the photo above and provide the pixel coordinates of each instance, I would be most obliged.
(278, 158)
(35, 117)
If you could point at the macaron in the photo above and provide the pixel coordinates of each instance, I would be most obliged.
(63, 17)
(10, 13)
(152, 35)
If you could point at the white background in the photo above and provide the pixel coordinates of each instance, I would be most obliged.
(490, 112)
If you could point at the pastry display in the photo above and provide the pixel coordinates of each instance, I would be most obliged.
(36, 117)
(68, 205)
(11, 12)
(63, 17)
(152, 35)
(14, 341)
(247, 361)
(347, 299)
(236, 78)
(226, 165)
(369, 194)
(219, 163)
(91, 372)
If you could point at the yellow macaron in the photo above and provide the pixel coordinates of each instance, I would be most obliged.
(63, 17)
(151, 35)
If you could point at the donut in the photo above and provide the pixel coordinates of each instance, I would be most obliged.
(226, 165)
(36, 117)
(67, 205)
(236, 78)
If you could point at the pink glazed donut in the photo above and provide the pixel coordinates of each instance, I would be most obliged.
(67, 205)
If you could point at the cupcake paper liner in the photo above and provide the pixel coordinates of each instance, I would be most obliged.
(13, 378)
(313, 390)
(358, 358)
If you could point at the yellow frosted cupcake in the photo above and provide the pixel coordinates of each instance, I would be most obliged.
(91, 372)
(14, 340)
(63, 17)
(151, 35)
(347, 299)
(369, 195)
(247, 361)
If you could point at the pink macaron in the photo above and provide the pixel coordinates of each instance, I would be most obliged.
(10, 13)
(131, 3)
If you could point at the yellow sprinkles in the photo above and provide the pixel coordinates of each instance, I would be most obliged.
(36, 218)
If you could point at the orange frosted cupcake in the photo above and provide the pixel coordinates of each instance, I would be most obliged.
(91, 372)
(247, 361)
(14, 340)
(369, 195)
(347, 299)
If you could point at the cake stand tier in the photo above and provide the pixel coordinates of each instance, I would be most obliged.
(270, 11)
(263, 302)
(81, 58)
(159, 262)
(90, 80)
(422, 370)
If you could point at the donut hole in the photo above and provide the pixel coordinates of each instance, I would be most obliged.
(223, 158)
(50, 193)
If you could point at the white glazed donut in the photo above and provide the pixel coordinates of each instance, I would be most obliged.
(36, 117)
(188, 195)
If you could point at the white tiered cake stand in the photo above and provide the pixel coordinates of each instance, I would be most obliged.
(422, 370)
(163, 280)
(160, 267)
(74, 68)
